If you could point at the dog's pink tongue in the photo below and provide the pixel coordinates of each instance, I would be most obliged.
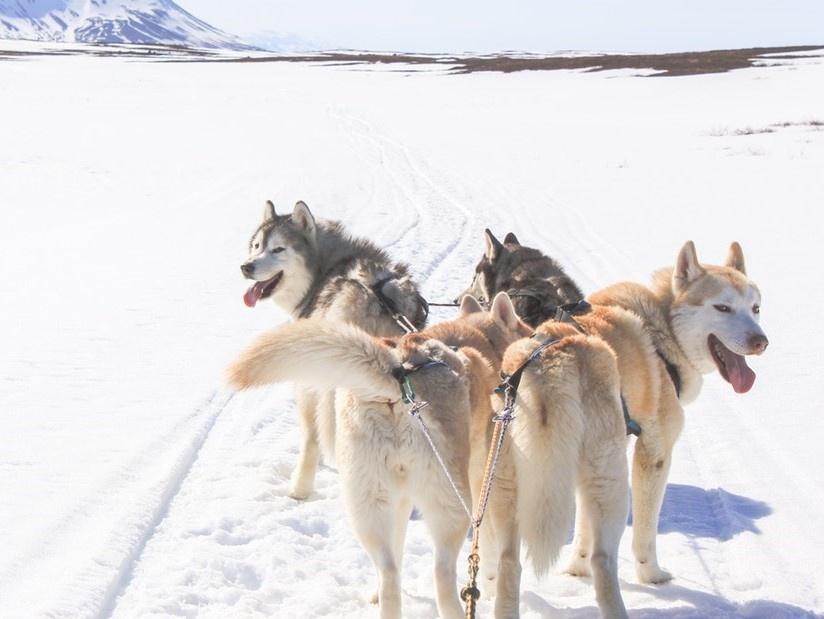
(740, 375)
(252, 296)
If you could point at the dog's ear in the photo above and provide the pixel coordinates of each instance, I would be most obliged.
(511, 239)
(268, 211)
(303, 219)
(470, 305)
(735, 258)
(687, 268)
(493, 246)
(503, 311)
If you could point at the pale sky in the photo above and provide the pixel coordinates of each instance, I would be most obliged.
(529, 25)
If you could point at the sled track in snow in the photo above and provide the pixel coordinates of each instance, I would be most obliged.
(186, 460)
(440, 232)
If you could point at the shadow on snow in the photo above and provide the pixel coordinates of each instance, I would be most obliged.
(713, 513)
(698, 605)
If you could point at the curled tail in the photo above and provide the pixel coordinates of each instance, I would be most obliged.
(320, 354)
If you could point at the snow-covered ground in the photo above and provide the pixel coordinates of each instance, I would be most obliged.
(132, 484)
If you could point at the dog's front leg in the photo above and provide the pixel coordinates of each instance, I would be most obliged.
(303, 477)
(650, 469)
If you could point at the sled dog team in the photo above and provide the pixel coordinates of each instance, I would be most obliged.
(633, 354)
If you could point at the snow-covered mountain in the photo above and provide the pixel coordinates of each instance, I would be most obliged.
(109, 21)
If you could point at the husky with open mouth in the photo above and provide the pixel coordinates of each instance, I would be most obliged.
(314, 269)
(694, 319)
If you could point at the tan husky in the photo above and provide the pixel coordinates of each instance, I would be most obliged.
(694, 319)
(568, 438)
(385, 462)
(568, 433)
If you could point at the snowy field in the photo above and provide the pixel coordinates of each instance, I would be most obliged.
(133, 485)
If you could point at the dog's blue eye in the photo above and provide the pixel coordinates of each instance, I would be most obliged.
(277, 250)
(722, 308)
(756, 309)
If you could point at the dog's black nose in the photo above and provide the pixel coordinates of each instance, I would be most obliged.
(247, 268)
(758, 344)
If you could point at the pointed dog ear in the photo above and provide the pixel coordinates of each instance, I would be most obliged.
(470, 305)
(687, 268)
(735, 258)
(511, 239)
(268, 211)
(493, 246)
(303, 219)
(503, 311)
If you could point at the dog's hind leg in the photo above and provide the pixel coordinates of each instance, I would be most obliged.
(489, 560)
(325, 423)
(303, 477)
(507, 591)
(604, 499)
(579, 563)
(374, 528)
(447, 523)
(402, 514)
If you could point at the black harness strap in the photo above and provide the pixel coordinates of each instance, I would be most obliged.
(672, 370)
(389, 305)
(632, 425)
(510, 382)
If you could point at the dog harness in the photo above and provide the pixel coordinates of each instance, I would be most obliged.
(672, 370)
(389, 305)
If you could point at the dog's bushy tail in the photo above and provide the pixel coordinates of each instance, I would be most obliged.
(320, 354)
(546, 435)
(569, 411)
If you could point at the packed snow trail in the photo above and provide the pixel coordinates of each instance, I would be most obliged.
(133, 485)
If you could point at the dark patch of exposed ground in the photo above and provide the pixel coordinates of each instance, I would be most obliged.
(683, 63)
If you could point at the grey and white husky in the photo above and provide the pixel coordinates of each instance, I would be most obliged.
(315, 269)
(536, 283)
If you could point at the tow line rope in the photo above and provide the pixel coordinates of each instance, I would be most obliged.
(415, 407)
(509, 387)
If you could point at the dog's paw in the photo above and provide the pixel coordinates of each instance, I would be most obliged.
(299, 493)
(651, 574)
(579, 567)
(373, 599)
